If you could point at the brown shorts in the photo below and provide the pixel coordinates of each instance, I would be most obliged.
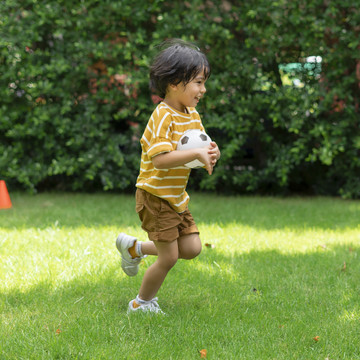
(160, 220)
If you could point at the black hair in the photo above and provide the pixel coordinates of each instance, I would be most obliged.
(178, 61)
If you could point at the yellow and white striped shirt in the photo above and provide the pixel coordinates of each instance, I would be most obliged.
(162, 133)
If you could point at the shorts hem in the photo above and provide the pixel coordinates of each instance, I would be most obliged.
(190, 230)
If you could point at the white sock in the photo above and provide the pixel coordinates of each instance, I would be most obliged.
(140, 301)
(138, 248)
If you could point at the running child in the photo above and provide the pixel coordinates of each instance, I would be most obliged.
(178, 75)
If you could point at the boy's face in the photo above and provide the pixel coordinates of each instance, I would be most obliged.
(188, 95)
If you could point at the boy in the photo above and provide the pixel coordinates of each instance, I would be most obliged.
(178, 75)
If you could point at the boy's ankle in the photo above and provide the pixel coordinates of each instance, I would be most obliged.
(135, 250)
(132, 251)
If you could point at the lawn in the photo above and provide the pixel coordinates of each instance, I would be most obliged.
(277, 279)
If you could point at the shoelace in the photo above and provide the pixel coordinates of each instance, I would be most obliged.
(155, 306)
(154, 302)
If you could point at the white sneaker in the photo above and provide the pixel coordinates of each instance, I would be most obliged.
(128, 264)
(145, 306)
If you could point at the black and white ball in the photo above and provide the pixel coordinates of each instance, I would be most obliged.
(192, 139)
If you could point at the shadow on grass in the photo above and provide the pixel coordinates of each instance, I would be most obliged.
(96, 210)
(262, 296)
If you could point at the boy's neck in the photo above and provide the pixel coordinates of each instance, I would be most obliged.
(175, 105)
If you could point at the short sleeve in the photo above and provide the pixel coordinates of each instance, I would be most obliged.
(161, 134)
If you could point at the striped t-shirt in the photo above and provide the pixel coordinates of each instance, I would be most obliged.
(162, 133)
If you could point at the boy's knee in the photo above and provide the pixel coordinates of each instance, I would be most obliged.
(168, 262)
(191, 252)
(197, 250)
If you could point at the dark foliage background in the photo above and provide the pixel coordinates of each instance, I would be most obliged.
(74, 94)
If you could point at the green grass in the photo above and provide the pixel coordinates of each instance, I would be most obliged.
(64, 296)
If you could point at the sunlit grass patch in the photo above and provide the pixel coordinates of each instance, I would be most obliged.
(273, 275)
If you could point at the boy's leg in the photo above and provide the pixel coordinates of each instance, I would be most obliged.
(168, 254)
(132, 251)
(189, 246)
(141, 248)
(148, 248)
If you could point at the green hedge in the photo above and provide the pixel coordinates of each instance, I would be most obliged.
(75, 97)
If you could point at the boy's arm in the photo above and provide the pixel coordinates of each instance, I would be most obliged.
(179, 158)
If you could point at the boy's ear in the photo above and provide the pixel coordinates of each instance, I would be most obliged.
(172, 87)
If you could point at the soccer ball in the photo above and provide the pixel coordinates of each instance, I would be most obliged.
(192, 139)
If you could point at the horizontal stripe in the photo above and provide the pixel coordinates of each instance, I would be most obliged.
(172, 196)
(162, 133)
(146, 162)
(164, 187)
(165, 196)
(152, 170)
(168, 177)
(180, 167)
(187, 123)
(180, 133)
(182, 202)
(159, 148)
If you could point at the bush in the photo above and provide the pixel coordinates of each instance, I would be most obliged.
(75, 94)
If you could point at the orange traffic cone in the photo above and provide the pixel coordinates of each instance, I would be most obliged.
(5, 202)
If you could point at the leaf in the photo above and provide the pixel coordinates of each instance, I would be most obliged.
(203, 353)
(316, 338)
(209, 245)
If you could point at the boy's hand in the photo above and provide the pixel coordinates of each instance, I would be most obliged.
(205, 158)
(214, 153)
(209, 156)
